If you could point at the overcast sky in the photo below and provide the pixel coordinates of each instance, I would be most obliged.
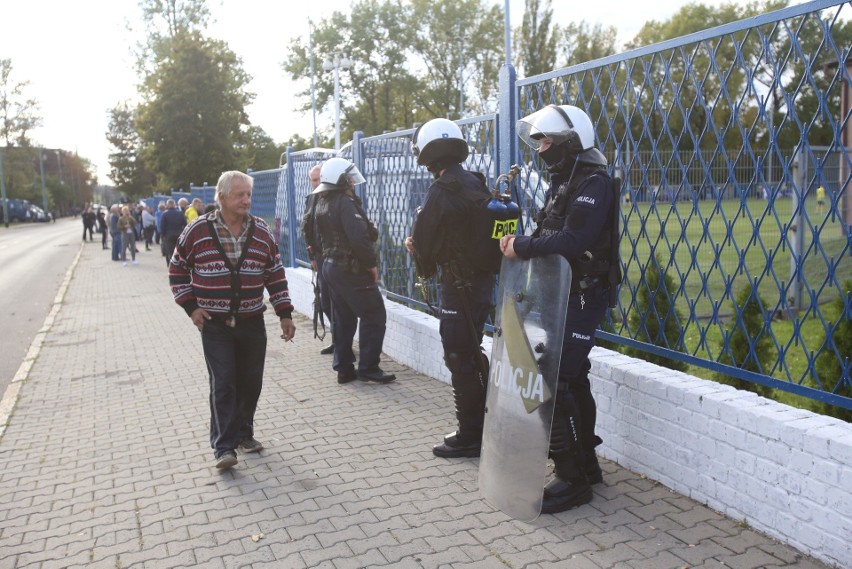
(76, 56)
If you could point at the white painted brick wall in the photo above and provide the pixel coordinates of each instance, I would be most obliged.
(785, 471)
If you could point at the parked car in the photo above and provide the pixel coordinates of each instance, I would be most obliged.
(19, 210)
(38, 214)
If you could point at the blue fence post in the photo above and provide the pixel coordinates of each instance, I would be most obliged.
(507, 115)
(290, 192)
(358, 160)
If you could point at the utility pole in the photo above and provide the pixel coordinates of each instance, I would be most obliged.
(3, 194)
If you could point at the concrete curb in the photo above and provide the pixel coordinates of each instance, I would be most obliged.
(10, 397)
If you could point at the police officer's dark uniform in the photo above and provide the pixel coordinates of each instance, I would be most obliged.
(577, 223)
(441, 238)
(345, 237)
(315, 255)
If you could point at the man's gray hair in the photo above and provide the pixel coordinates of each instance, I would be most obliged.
(170, 203)
(223, 186)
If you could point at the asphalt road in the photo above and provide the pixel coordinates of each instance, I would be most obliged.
(34, 258)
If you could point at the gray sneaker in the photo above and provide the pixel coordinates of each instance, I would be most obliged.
(250, 444)
(227, 460)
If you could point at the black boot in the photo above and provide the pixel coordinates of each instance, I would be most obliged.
(456, 447)
(469, 396)
(568, 489)
(592, 470)
(562, 495)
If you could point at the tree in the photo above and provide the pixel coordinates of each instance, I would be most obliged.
(18, 113)
(833, 363)
(193, 112)
(581, 43)
(258, 151)
(400, 77)
(655, 319)
(168, 18)
(453, 35)
(749, 345)
(192, 120)
(127, 167)
(536, 39)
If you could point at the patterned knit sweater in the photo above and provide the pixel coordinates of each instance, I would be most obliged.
(201, 276)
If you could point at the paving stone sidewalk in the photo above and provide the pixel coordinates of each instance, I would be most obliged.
(106, 464)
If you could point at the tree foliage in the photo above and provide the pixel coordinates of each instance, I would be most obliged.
(405, 62)
(831, 362)
(127, 165)
(655, 319)
(537, 38)
(749, 345)
(19, 113)
(194, 111)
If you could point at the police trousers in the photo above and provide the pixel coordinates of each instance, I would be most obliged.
(356, 303)
(584, 314)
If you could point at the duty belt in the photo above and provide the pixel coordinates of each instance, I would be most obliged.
(585, 283)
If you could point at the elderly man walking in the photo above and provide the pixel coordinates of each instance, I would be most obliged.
(220, 267)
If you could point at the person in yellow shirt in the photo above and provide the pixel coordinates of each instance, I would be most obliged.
(820, 195)
(193, 211)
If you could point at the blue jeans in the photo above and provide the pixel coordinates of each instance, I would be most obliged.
(116, 246)
(235, 358)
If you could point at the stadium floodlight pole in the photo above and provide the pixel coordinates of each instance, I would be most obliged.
(507, 32)
(313, 98)
(338, 62)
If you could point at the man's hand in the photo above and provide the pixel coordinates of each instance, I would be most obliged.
(199, 315)
(409, 245)
(288, 329)
(507, 246)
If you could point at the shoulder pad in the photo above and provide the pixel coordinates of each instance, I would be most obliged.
(479, 176)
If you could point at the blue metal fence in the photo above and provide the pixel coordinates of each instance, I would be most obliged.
(722, 139)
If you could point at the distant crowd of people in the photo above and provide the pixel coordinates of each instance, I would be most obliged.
(126, 225)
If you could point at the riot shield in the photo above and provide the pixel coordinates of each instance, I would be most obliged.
(532, 300)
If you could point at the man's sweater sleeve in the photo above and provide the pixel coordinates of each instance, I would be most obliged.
(180, 276)
(276, 278)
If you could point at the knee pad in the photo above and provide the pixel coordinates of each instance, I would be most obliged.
(456, 361)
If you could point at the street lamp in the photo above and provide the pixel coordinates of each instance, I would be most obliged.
(41, 158)
(460, 42)
(338, 62)
(59, 161)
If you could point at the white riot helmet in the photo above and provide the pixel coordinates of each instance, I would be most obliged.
(439, 141)
(338, 174)
(567, 126)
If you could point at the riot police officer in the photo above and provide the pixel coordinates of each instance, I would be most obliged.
(323, 307)
(345, 236)
(579, 222)
(441, 238)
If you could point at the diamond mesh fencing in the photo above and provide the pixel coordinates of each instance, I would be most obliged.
(732, 146)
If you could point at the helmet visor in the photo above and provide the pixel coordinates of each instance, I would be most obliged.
(354, 175)
(548, 122)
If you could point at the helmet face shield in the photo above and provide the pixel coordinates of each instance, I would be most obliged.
(544, 123)
(338, 174)
(564, 124)
(354, 175)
